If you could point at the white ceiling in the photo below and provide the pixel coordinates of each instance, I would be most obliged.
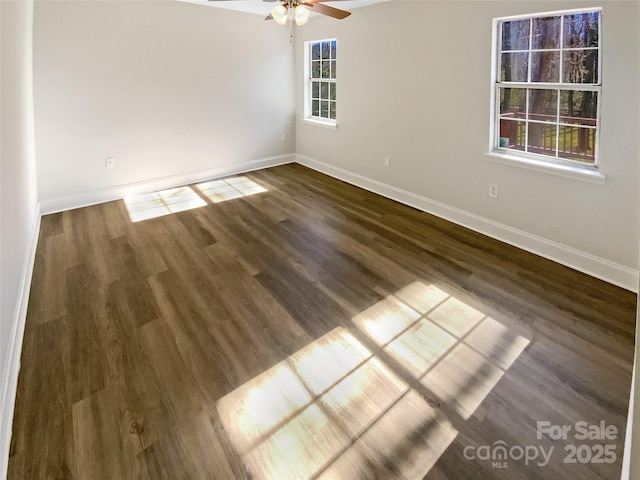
(260, 7)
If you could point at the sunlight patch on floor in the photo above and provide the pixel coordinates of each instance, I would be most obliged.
(157, 204)
(229, 188)
(335, 409)
(454, 350)
(330, 409)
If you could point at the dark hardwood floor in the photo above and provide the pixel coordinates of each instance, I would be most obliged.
(305, 328)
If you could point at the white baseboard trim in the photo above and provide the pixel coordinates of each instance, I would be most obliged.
(601, 268)
(11, 364)
(94, 197)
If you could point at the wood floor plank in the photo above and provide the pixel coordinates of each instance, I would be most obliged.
(187, 406)
(310, 307)
(47, 299)
(44, 423)
(84, 359)
(297, 326)
(102, 447)
(51, 225)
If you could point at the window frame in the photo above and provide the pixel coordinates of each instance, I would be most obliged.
(309, 80)
(538, 160)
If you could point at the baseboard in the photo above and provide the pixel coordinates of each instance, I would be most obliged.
(11, 366)
(94, 197)
(601, 268)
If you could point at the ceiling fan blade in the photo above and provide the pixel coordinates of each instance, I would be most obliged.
(327, 10)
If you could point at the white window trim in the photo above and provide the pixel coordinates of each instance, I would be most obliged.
(330, 124)
(532, 161)
(307, 117)
(569, 171)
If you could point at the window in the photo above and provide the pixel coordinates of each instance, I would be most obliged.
(547, 85)
(320, 89)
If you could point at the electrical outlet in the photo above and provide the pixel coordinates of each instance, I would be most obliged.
(111, 162)
(387, 162)
(493, 190)
(283, 138)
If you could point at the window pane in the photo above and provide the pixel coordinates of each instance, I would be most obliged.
(545, 66)
(578, 107)
(543, 105)
(577, 143)
(513, 67)
(580, 66)
(515, 35)
(324, 109)
(554, 50)
(326, 67)
(512, 102)
(541, 138)
(326, 50)
(315, 51)
(321, 95)
(546, 33)
(581, 30)
(512, 134)
(324, 91)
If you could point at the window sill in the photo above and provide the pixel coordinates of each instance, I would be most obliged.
(320, 123)
(577, 173)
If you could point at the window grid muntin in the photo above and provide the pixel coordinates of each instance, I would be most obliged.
(558, 86)
(526, 121)
(328, 81)
(561, 48)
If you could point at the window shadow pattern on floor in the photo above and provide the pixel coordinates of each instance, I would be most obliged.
(334, 409)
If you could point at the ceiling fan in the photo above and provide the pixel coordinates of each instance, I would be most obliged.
(301, 12)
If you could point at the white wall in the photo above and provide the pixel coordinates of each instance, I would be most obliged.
(414, 84)
(167, 88)
(19, 217)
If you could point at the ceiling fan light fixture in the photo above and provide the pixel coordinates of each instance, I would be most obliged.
(301, 15)
(280, 14)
